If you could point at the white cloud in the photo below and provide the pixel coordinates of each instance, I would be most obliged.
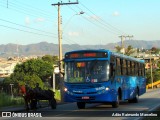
(116, 13)
(73, 33)
(39, 20)
(36, 20)
(27, 20)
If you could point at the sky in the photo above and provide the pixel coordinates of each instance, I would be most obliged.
(33, 21)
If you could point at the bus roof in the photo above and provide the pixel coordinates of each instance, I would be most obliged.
(88, 50)
(109, 52)
(127, 57)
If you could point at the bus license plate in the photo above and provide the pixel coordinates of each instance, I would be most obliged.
(85, 98)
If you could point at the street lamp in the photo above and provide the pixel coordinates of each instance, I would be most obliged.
(60, 50)
(56, 71)
(11, 89)
(80, 13)
(59, 4)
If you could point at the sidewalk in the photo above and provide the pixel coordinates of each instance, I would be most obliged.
(149, 90)
(12, 109)
(22, 107)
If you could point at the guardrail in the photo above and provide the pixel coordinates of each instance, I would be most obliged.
(155, 84)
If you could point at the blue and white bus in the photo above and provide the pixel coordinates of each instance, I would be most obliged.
(102, 76)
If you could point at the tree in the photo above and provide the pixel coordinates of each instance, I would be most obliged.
(118, 49)
(155, 50)
(51, 59)
(31, 72)
(129, 50)
(148, 77)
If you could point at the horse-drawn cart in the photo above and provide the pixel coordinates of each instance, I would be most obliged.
(32, 97)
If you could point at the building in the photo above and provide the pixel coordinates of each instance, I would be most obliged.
(7, 68)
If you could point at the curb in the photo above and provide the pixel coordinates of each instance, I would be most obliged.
(22, 108)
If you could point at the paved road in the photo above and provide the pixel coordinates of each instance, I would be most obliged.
(147, 102)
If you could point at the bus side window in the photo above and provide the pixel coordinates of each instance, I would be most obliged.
(124, 67)
(135, 70)
(128, 67)
(139, 69)
(112, 69)
(144, 70)
(121, 66)
(112, 66)
(118, 66)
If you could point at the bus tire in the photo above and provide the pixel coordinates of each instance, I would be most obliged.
(81, 105)
(115, 104)
(130, 101)
(135, 100)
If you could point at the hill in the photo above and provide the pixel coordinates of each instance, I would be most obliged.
(42, 48)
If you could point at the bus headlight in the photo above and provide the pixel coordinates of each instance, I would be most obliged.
(107, 88)
(65, 89)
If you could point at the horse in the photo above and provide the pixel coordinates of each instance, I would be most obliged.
(31, 98)
(28, 94)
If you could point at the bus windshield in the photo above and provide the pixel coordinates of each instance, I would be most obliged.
(86, 71)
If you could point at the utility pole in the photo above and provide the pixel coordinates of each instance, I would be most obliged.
(130, 36)
(151, 69)
(123, 37)
(122, 43)
(60, 43)
(122, 40)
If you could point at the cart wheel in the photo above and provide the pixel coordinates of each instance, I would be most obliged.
(33, 104)
(53, 103)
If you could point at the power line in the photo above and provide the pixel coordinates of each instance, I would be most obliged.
(91, 22)
(68, 40)
(21, 9)
(26, 31)
(27, 7)
(71, 41)
(25, 26)
(103, 22)
(113, 32)
(35, 8)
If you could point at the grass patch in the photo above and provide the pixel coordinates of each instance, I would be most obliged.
(7, 100)
(57, 95)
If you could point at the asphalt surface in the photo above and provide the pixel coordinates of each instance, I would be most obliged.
(22, 108)
(44, 106)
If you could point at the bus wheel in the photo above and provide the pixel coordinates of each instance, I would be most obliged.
(81, 105)
(130, 101)
(135, 100)
(115, 104)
